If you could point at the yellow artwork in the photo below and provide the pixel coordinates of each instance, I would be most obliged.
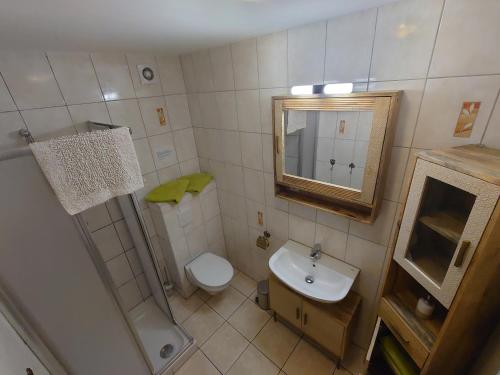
(161, 116)
(466, 119)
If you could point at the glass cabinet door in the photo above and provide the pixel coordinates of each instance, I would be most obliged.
(445, 216)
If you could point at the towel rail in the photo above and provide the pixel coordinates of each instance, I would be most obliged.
(26, 134)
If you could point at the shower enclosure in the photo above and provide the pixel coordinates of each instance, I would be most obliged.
(152, 322)
(57, 280)
(162, 339)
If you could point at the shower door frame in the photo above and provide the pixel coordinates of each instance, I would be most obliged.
(28, 335)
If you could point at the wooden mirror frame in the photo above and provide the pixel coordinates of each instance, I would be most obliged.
(361, 205)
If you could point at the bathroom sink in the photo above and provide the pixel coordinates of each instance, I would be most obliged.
(328, 279)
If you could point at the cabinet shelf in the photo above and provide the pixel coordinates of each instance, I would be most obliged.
(433, 264)
(448, 224)
(426, 330)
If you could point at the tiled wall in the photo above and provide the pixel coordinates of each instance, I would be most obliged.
(440, 53)
(343, 137)
(114, 242)
(55, 93)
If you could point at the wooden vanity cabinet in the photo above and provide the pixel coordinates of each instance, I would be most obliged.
(328, 324)
(285, 302)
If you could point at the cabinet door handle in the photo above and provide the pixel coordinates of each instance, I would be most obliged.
(305, 318)
(277, 139)
(297, 313)
(461, 253)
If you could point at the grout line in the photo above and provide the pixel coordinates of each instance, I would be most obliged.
(324, 55)
(489, 118)
(46, 56)
(426, 80)
(435, 39)
(373, 49)
(100, 88)
(130, 75)
(10, 93)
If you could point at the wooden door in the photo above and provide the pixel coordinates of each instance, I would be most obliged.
(320, 324)
(444, 219)
(285, 302)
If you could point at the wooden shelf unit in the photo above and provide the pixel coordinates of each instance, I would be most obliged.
(449, 342)
(397, 310)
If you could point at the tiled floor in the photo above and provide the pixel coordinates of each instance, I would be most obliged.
(235, 337)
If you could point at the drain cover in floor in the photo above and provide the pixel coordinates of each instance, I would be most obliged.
(166, 351)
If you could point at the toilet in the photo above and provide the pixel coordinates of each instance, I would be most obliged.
(210, 272)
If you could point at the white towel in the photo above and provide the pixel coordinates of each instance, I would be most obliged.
(87, 169)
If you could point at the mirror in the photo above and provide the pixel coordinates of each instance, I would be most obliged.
(328, 146)
(331, 152)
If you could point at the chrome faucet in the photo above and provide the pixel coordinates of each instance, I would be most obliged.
(315, 252)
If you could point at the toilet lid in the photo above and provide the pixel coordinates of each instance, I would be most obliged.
(211, 270)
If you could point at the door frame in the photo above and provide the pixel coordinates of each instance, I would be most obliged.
(30, 337)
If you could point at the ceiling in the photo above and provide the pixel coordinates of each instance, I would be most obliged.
(162, 26)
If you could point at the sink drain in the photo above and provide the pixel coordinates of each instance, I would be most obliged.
(309, 279)
(166, 351)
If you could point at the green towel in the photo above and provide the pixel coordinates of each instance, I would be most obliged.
(172, 191)
(197, 181)
(397, 357)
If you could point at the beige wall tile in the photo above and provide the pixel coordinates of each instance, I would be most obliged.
(473, 25)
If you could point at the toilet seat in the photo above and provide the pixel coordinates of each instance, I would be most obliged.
(210, 272)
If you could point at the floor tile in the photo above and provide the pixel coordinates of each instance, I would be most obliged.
(182, 307)
(253, 362)
(276, 341)
(205, 296)
(307, 360)
(224, 347)
(354, 360)
(244, 284)
(202, 324)
(341, 371)
(249, 319)
(226, 302)
(198, 364)
(252, 296)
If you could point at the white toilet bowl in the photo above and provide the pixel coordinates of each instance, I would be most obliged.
(210, 272)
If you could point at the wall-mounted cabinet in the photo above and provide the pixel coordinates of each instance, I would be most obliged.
(328, 324)
(331, 152)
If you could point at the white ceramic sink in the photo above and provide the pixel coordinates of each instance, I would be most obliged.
(332, 278)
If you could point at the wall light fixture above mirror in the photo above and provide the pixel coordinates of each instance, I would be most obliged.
(332, 151)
